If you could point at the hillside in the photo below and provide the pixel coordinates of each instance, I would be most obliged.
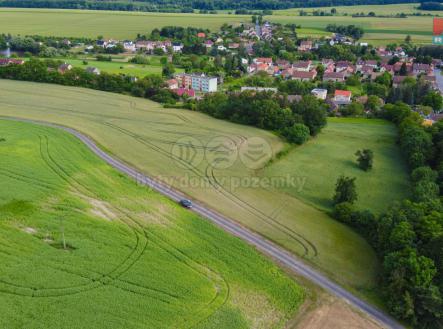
(117, 121)
(133, 258)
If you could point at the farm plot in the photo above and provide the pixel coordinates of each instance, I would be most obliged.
(150, 138)
(83, 246)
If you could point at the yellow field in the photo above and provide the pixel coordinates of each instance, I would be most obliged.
(122, 25)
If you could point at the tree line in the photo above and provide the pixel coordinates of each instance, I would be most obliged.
(151, 86)
(409, 236)
(295, 121)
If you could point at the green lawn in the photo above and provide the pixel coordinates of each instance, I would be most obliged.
(147, 136)
(134, 259)
(331, 154)
(118, 67)
(124, 25)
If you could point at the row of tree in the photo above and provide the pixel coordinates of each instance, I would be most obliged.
(296, 121)
(151, 86)
(409, 236)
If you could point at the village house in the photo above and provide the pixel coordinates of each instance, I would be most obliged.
(397, 80)
(262, 60)
(172, 84)
(305, 45)
(302, 66)
(208, 43)
(65, 67)
(342, 97)
(432, 80)
(259, 89)
(177, 47)
(368, 63)
(304, 76)
(345, 66)
(419, 68)
(334, 76)
(129, 46)
(93, 70)
(9, 61)
(319, 93)
(184, 92)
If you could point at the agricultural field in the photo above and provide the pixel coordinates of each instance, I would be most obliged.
(407, 8)
(109, 23)
(156, 136)
(129, 257)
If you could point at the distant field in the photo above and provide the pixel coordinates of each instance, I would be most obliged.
(144, 134)
(331, 154)
(124, 25)
(407, 8)
(110, 24)
(134, 259)
(377, 30)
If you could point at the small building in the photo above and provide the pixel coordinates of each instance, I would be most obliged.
(129, 46)
(184, 92)
(259, 89)
(93, 70)
(9, 61)
(201, 35)
(177, 47)
(65, 67)
(263, 60)
(302, 66)
(419, 68)
(342, 97)
(397, 80)
(305, 45)
(334, 76)
(208, 43)
(304, 76)
(320, 93)
(172, 84)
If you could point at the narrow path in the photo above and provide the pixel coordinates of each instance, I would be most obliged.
(262, 244)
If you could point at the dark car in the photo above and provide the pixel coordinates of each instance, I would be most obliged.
(186, 203)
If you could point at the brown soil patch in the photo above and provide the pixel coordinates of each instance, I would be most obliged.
(332, 313)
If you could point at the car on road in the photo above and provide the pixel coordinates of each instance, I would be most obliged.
(186, 203)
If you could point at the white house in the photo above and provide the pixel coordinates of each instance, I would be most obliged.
(319, 93)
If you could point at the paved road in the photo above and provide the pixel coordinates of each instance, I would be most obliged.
(234, 228)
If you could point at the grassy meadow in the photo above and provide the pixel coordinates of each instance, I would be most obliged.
(332, 153)
(144, 134)
(122, 25)
(133, 259)
(120, 66)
